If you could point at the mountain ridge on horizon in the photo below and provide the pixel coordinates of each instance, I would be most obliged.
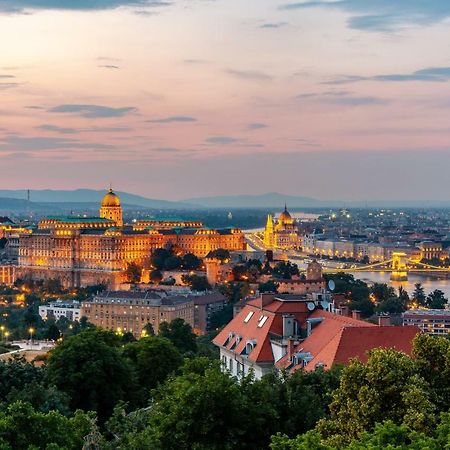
(84, 196)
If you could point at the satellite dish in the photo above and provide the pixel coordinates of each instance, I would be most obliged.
(331, 285)
(311, 306)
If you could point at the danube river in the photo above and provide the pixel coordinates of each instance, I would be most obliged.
(428, 283)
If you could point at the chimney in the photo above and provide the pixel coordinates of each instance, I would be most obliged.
(356, 314)
(384, 321)
(345, 310)
(290, 349)
(266, 299)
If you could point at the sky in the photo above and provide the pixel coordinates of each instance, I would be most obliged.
(173, 99)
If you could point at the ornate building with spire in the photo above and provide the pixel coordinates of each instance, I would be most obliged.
(81, 251)
(281, 233)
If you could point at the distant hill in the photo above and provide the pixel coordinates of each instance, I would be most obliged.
(84, 196)
(270, 200)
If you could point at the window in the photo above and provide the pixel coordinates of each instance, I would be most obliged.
(248, 317)
(262, 321)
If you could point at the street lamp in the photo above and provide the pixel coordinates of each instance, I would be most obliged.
(31, 331)
(2, 328)
(6, 336)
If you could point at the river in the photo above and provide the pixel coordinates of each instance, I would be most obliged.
(428, 283)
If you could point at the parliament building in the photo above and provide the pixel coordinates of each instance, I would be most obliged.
(281, 233)
(84, 251)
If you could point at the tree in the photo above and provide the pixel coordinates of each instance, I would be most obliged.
(172, 262)
(159, 257)
(436, 299)
(191, 262)
(156, 276)
(180, 334)
(90, 369)
(393, 305)
(419, 295)
(220, 253)
(21, 427)
(268, 286)
(154, 359)
(133, 273)
(197, 282)
(16, 374)
(382, 292)
(386, 388)
(148, 329)
(52, 333)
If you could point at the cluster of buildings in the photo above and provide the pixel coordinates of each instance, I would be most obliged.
(81, 251)
(301, 332)
(282, 233)
(131, 311)
(371, 252)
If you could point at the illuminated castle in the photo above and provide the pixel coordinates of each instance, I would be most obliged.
(281, 233)
(82, 251)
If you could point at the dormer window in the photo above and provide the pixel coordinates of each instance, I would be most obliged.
(248, 317)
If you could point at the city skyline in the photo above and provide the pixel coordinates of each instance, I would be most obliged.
(174, 99)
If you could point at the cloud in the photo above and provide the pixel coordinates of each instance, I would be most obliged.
(16, 143)
(256, 126)
(429, 74)
(93, 111)
(5, 86)
(249, 75)
(343, 98)
(222, 140)
(13, 6)
(64, 130)
(382, 15)
(273, 25)
(109, 66)
(173, 119)
(167, 149)
(7, 76)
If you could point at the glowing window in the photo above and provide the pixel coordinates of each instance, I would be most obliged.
(262, 321)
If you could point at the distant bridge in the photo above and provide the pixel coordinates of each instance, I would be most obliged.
(399, 266)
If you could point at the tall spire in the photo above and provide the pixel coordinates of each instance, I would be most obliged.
(285, 206)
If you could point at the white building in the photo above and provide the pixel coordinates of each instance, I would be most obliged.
(58, 309)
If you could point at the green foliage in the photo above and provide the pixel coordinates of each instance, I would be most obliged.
(90, 369)
(154, 359)
(268, 286)
(419, 295)
(436, 299)
(197, 282)
(180, 334)
(156, 276)
(220, 253)
(21, 427)
(172, 262)
(285, 270)
(191, 262)
(16, 374)
(133, 273)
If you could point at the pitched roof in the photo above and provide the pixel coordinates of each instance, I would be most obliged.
(355, 342)
(248, 326)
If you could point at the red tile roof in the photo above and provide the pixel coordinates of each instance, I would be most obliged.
(355, 342)
(250, 331)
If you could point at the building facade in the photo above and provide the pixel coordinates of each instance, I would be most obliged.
(131, 311)
(84, 251)
(281, 233)
(58, 309)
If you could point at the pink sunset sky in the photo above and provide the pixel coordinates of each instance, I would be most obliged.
(173, 99)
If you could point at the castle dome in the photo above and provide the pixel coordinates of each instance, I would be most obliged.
(110, 199)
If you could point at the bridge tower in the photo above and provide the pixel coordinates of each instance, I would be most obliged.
(399, 269)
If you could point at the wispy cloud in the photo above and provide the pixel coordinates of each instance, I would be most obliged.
(4, 86)
(382, 15)
(14, 143)
(93, 111)
(273, 25)
(14, 6)
(67, 130)
(173, 119)
(254, 75)
(256, 126)
(429, 74)
(343, 98)
(109, 66)
(222, 140)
